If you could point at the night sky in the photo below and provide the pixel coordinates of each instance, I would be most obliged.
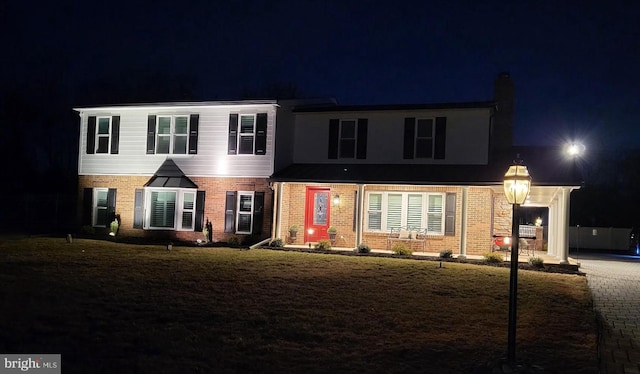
(574, 63)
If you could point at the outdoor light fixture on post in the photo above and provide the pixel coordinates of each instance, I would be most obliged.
(517, 183)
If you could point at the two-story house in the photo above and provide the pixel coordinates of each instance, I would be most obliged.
(167, 169)
(438, 167)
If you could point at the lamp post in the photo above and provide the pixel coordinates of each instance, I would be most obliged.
(517, 183)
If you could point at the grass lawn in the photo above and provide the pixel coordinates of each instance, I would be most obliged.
(120, 308)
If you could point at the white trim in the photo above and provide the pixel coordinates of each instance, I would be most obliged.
(95, 208)
(244, 213)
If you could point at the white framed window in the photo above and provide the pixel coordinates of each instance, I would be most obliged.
(386, 210)
(103, 134)
(246, 140)
(172, 134)
(100, 206)
(170, 209)
(244, 212)
(424, 138)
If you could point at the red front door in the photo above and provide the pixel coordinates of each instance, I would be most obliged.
(316, 218)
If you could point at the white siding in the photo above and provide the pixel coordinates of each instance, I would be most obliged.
(212, 158)
(467, 138)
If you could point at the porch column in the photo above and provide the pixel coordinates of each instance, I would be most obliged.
(553, 222)
(359, 214)
(563, 227)
(278, 209)
(463, 228)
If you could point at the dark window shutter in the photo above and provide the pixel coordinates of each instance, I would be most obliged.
(193, 133)
(151, 135)
(363, 125)
(233, 135)
(138, 209)
(87, 206)
(258, 212)
(230, 212)
(111, 206)
(261, 134)
(115, 134)
(91, 135)
(356, 213)
(199, 210)
(409, 137)
(441, 138)
(450, 214)
(334, 134)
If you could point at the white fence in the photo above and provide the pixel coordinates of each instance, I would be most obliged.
(604, 238)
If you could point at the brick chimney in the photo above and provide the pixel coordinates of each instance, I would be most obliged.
(502, 128)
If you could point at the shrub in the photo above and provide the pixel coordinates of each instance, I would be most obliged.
(363, 248)
(323, 244)
(536, 262)
(234, 240)
(276, 243)
(402, 249)
(446, 253)
(332, 230)
(294, 228)
(493, 257)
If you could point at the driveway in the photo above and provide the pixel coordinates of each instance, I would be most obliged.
(614, 281)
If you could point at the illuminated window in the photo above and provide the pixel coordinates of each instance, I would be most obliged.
(103, 135)
(100, 206)
(170, 208)
(172, 135)
(386, 210)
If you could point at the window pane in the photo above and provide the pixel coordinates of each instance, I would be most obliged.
(425, 128)
(394, 211)
(424, 148)
(435, 216)
(101, 198)
(180, 145)
(246, 145)
(246, 124)
(163, 206)
(244, 222)
(181, 125)
(348, 129)
(347, 148)
(164, 125)
(101, 217)
(414, 211)
(103, 144)
(375, 202)
(188, 201)
(163, 144)
(103, 125)
(320, 205)
(245, 203)
(187, 220)
(375, 221)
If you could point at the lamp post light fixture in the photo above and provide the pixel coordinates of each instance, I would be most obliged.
(517, 183)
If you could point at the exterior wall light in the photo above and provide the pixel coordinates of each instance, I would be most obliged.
(336, 199)
(517, 183)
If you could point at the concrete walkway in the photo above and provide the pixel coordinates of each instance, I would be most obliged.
(614, 281)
